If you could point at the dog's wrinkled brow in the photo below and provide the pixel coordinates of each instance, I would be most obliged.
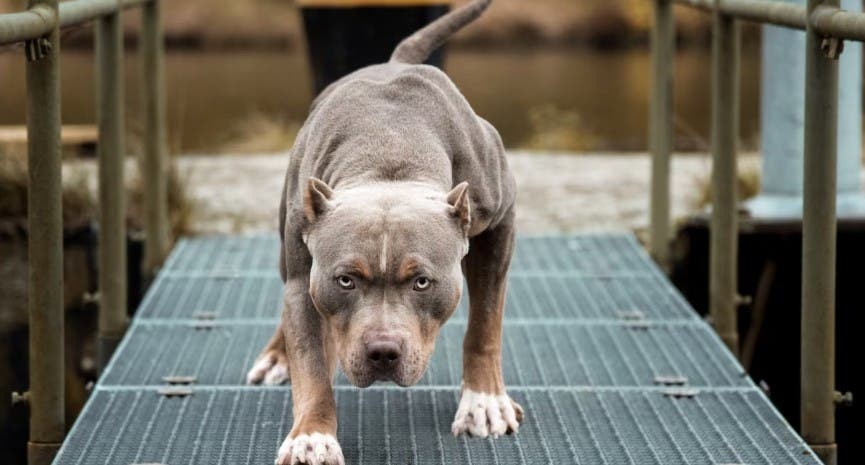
(357, 266)
(410, 267)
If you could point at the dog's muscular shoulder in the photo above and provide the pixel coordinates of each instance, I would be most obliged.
(398, 122)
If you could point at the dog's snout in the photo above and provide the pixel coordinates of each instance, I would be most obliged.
(383, 354)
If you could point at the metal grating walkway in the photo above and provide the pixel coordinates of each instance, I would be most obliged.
(591, 328)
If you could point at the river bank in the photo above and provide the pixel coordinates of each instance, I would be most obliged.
(557, 192)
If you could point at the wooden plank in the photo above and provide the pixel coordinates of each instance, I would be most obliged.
(75, 139)
(366, 3)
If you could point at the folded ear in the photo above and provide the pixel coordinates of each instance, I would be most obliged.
(316, 199)
(460, 207)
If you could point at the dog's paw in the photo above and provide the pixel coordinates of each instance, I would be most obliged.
(482, 415)
(271, 367)
(310, 449)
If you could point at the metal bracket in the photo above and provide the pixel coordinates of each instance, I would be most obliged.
(671, 380)
(175, 391)
(681, 393)
(843, 399)
(631, 315)
(18, 398)
(204, 325)
(37, 49)
(832, 47)
(637, 325)
(91, 298)
(744, 300)
(204, 316)
(225, 274)
(175, 379)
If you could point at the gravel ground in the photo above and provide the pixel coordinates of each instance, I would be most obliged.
(557, 192)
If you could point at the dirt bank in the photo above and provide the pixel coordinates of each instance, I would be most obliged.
(557, 192)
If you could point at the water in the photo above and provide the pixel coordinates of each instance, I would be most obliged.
(602, 96)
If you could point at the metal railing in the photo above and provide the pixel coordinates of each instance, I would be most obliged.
(38, 28)
(826, 26)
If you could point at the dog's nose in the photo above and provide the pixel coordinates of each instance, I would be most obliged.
(383, 354)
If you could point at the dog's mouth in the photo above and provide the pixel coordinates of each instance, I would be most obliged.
(403, 375)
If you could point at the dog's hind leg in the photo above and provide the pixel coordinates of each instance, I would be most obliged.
(485, 408)
(271, 365)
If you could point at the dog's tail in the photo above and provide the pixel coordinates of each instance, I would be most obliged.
(416, 48)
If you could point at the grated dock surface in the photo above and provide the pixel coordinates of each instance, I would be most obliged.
(591, 327)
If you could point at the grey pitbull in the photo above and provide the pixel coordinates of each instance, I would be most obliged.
(395, 190)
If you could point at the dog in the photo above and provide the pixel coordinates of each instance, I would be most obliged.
(395, 191)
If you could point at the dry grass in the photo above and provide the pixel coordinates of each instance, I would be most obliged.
(261, 133)
(78, 201)
(555, 129)
(181, 205)
(747, 182)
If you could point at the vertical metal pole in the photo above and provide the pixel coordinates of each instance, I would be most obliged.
(818, 244)
(661, 130)
(45, 220)
(112, 205)
(154, 172)
(725, 130)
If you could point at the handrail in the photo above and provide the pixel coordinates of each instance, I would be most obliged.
(26, 25)
(763, 11)
(39, 27)
(39, 20)
(826, 20)
(839, 23)
(826, 25)
(82, 11)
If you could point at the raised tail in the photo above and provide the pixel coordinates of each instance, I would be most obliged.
(416, 48)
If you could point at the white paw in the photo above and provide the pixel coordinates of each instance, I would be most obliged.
(270, 368)
(312, 449)
(481, 415)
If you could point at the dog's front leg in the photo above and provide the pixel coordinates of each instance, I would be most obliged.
(485, 407)
(311, 361)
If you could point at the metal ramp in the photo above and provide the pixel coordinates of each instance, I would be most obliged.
(610, 363)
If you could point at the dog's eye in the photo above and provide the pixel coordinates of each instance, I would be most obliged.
(345, 282)
(422, 283)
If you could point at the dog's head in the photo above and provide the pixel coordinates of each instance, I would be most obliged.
(386, 272)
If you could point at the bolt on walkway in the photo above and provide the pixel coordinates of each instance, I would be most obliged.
(610, 363)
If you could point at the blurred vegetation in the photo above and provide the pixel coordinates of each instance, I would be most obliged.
(276, 23)
(747, 182)
(261, 133)
(79, 196)
(551, 129)
(555, 129)
(78, 200)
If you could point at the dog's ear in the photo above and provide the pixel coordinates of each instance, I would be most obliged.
(460, 207)
(316, 199)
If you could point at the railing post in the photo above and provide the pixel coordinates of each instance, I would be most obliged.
(112, 205)
(45, 221)
(725, 129)
(154, 166)
(661, 130)
(818, 241)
